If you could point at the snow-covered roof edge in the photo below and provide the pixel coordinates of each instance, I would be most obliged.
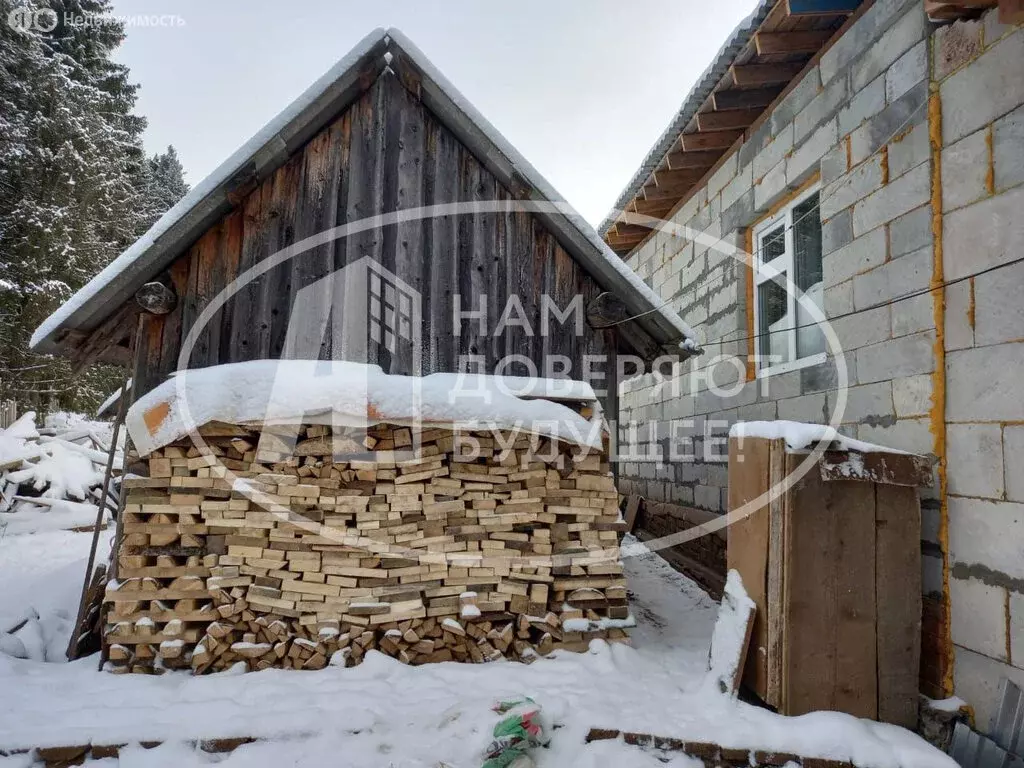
(275, 140)
(349, 394)
(262, 143)
(698, 94)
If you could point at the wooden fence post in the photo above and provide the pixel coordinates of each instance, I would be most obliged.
(8, 413)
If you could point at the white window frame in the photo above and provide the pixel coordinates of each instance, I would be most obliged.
(763, 272)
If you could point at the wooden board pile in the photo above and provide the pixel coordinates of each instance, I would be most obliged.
(59, 467)
(465, 546)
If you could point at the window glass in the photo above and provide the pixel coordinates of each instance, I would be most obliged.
(773, 312)
(809, 337)
(785, 326)
(807, 243)
(807, 272)
(773, 244)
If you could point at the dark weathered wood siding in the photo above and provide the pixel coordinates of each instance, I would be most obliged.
(385, 153)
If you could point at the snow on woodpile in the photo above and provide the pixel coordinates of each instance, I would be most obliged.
(357, 395)
(50, 477)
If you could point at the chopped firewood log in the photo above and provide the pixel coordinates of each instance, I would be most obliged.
(425, 545)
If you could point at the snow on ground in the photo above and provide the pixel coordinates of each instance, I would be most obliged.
(41, 580)
(61, 515)
(383, 713)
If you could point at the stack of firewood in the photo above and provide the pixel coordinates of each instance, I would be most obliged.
(301, 546)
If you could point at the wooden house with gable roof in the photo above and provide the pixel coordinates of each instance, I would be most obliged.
(380, 158)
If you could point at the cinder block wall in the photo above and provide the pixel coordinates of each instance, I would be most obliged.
(859, 120)
(979, 71)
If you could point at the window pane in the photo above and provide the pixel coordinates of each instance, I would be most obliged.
(807, 243)
(810, 340)
(807, 274)
(773, 244)
(773, 311)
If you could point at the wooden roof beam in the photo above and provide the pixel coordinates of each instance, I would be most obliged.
(1011, 11)
(676, 178)
(751, 98)
(978, 4)
(653, 207)
(727, 120)
(942, 11)
(702, 159)
(626, 231)
(108, 342)
(714, 140)
(753, 75)
(671, 187)
(627, 239)
(806, 41)
(821, 7)
(671, 194)
(622, 245)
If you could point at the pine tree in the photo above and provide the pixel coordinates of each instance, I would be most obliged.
(35, 196)
(75, 187)
(161, 185)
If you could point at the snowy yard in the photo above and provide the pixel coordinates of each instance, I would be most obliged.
(385, 714)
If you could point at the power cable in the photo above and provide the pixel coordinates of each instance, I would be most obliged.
(889, 303)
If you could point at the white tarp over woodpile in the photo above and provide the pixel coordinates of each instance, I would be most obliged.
(348, 394)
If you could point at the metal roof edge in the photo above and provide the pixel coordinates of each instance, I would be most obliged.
(698, 94)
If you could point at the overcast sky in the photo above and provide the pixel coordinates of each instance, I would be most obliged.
(582, 88)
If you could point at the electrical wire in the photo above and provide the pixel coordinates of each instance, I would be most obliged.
(880, 305)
